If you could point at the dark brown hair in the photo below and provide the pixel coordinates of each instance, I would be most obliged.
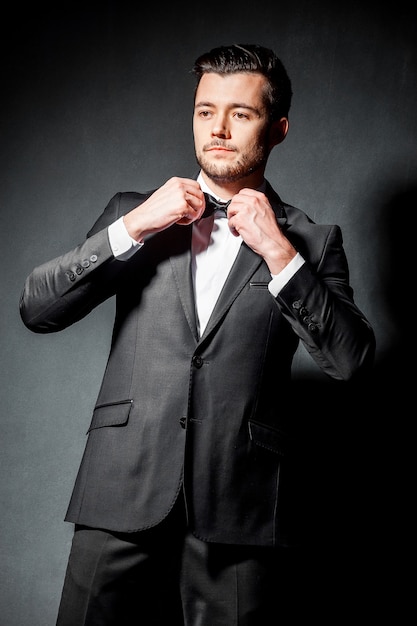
(251, 58)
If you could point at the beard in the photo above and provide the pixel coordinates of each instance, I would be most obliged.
(247, 163)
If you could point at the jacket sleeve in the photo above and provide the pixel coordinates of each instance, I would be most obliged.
(318, 303)
(62, 291)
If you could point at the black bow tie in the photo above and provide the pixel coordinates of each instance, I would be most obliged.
(213, 205)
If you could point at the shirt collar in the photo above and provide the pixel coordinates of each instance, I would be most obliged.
(206, 188)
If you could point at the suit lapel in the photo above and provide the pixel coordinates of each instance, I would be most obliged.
(246, 263)
(243, 268)
(181, 266)
(276, 204)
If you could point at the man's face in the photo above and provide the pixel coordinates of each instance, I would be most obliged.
(231, 126)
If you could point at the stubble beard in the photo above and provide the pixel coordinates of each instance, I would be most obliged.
(230, 173)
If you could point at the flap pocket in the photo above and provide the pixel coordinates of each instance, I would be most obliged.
(270, 438)
(111, 414)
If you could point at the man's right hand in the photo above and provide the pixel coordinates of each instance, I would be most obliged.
(178, 201)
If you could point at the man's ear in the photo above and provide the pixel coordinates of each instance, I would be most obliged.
(278, 131)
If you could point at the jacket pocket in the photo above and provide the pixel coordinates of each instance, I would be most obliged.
(271, 438)
(111, 414)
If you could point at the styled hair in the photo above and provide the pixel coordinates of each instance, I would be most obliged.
(250, 58)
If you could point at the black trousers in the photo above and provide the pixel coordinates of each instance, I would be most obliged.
(167, 577)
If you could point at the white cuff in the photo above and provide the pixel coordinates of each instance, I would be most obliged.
(280, 280)
(121, 243)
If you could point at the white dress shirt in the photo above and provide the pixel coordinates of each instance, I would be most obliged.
(214, 250)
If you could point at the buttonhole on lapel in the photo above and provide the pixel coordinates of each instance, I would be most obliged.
(258, 285)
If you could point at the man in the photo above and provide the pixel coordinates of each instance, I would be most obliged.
(188, 493)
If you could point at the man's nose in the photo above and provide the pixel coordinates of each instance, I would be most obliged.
(220, 128)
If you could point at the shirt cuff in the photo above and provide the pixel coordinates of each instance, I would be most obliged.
(280, 280)
(121, 243)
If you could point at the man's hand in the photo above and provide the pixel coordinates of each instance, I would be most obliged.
(178, 201)
(251, 216)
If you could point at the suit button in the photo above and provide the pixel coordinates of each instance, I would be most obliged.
(93, 258)
(296, 304)
(182, 422)
(312, 328)
(197, 361)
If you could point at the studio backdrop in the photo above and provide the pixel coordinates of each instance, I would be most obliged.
(98, 99)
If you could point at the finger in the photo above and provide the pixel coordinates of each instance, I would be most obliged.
(192, 212)
(196, 203)
(246, 191)
(234, 231)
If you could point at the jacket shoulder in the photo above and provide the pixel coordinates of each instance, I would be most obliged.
(121, 203)
(311, 239)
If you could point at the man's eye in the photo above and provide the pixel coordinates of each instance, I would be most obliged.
(241, 116)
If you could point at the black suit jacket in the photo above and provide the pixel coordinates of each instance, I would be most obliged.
(211, 416)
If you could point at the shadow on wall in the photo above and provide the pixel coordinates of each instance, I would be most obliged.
(395, 364)
(359, 438)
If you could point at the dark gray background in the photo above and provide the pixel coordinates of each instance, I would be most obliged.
(99, 100)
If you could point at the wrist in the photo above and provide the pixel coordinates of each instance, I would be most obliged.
(135, 232)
